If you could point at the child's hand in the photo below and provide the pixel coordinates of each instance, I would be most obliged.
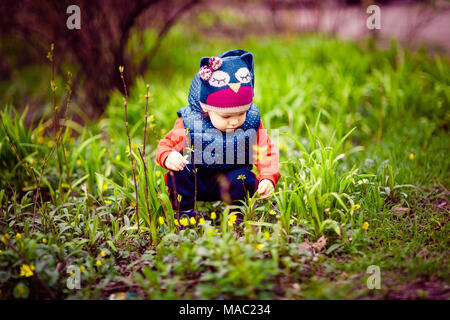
(265, 188)
(175, 161)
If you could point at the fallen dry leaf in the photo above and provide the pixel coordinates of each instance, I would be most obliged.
(313, 247)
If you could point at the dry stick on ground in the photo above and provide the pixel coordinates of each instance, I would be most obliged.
(131, 154)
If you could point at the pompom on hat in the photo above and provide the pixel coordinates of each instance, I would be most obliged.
(227, 82)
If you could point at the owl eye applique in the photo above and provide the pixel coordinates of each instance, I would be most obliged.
(243, 75)
(219, 79)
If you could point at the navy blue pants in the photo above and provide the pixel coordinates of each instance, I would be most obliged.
(212, 185)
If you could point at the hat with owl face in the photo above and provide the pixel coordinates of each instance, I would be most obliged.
(227, 82)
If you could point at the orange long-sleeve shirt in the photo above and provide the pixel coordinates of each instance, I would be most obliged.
(266, 160)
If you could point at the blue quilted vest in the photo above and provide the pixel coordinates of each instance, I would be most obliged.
(213, 148)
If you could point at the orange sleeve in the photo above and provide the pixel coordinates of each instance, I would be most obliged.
(266, 156)
(175, 140)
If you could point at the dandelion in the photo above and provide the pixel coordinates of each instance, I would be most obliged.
(79, 162)
(213, 215)
(102, 253)
(411, 156)
(18, 236)
(117, 158)
(356, 207)
(5, 237)
(241, 177)
(267, 235)
(82, 268)
(184, 222)
(272, 213)
(44, 241)
(98, 263)
(260, 246)
(108, 201)
(201, 221)
(161, 220)
(192, 220)
(365, 225)
(26, 270)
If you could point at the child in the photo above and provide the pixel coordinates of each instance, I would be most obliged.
(218, 132)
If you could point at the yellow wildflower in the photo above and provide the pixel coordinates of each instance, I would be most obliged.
(160, 220)
(102, 253)
(192, 220)
(232, 220)
(120, 69)
(50, 144)
(5, 237)
(18, 236)
(201, 221)
(213, 215)
(365, 225)
(108, 201)
(40, 139)
(105, 187)
(82, 268)
(133, 204)
(26, 270)
(184, 222)
(260, 246)
(356, 207)
(241, 177)
(79, 162)
(267, 235)
(44, 241)
(211, 232)
(117, 158)
(271, 212)
(179, 198)
(158, 173)
(98, 263)
(411, 156)
(4, 212)
(176, 223)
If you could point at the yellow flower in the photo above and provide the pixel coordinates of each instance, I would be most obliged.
(108, 201)
(4, 212)
(201, 221)
(411, 156)
(213, 215)
(50, 144)
(271, 212)
(241, 177)
(132, 204)
(184, 222)
(79, 162)
(120, 69)
(158, 173)
(26, 270)
(176, 222)
(160, 220)
(365, 225)
(40, 139)
(232, 220)
(211, 232)
(105, 187)
(117, 158)
(260, 246)
(98, 263)
(18, 236)
(356, 207)
(1, 251)
(267, 235)
(192, 220)
(82, 268)
(102, 253)
(44, 241)
(179, 198)
(5, 237)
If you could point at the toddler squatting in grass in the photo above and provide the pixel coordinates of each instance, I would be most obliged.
(221, 136)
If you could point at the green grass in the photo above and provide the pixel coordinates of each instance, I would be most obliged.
(363, 138)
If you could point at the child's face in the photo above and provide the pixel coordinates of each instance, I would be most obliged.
(227, 121)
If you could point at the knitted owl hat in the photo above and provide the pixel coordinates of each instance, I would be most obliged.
(227, 82)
